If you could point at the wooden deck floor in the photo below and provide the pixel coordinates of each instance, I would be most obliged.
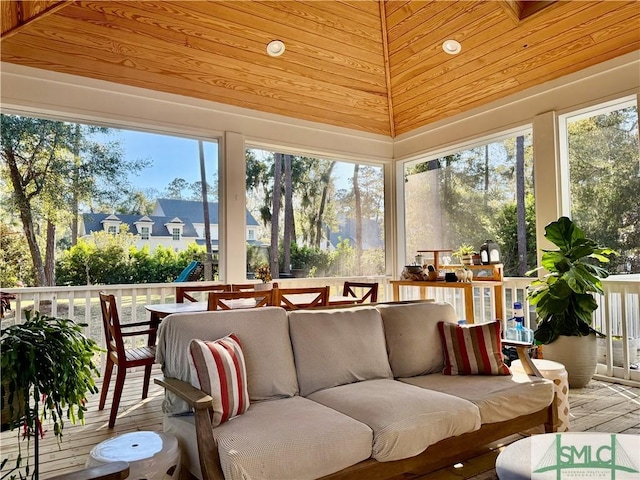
(602, 407)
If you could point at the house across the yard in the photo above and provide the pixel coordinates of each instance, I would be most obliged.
(173, 223)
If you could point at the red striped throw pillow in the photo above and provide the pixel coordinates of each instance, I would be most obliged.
(472, 349)
(218, 369)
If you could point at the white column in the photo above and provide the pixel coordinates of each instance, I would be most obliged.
(547, 173)
(232, 210)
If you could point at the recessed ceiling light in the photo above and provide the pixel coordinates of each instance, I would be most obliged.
(452, 47)
(275, 48)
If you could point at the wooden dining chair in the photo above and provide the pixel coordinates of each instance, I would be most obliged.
(124, 358)
(361, 290)
(295, 298)
(184, 293)
(243, 287)
(248, 287)
(242, 299)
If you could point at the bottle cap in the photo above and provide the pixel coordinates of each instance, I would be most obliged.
(517, 305)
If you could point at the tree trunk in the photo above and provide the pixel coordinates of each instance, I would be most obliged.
(288, 216)
(358, 205)
(486, 173)
(74, 190)
(26, 216)
(275, 215)
(323, 202)
(520, 207)
(208, 261)
(50, 255)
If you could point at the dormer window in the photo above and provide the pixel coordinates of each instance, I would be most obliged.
(111, 224)
(143, 227)
(175, 228)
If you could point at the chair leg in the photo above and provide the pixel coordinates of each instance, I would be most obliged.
(105, 382)
(147, 378)
(122, 372)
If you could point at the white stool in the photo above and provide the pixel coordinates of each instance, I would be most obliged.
(553, 371)
(151, 455)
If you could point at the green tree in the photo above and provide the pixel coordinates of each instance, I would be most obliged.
(14, 258)
(604, 180)
(52, 167)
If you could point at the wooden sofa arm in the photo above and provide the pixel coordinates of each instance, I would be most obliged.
(523, 355)
(202, 405)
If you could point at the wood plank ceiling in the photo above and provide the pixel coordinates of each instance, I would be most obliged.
(374, 66)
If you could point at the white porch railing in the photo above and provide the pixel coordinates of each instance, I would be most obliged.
(618, 316)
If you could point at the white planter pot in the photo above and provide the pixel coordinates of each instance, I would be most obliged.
(579, 355)
(263, 286)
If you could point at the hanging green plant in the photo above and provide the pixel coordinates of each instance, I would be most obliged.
(51, 363)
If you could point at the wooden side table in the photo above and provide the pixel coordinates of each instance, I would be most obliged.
(467, 288)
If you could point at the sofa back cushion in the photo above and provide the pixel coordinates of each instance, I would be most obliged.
(336, 347)
(413, 341)
(263, 333)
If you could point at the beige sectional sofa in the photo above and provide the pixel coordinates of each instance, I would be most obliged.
(340, 393)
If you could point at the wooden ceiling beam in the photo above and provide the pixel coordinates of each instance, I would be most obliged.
(22, 23)
(519, 10)
(512, 8)
(387, 68)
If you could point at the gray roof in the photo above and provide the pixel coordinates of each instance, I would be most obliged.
(93, 223)
(191, 209)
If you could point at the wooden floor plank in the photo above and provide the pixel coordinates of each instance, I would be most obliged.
(600, 407)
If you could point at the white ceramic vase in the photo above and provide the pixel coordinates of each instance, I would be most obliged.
(263, 286)
(579, 356)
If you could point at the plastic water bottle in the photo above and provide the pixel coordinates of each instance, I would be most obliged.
(518, 331)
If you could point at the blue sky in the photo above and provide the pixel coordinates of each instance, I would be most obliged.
(171, 157)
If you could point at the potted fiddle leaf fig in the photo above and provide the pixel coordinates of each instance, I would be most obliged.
(564, 299)
(48, 364)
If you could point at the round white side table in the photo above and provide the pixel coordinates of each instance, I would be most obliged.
(553, 371)
(151, 455)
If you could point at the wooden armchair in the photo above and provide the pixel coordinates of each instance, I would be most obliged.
(242, 299)
(365, 290)
(183, 293)
(124, 358)
(302, 297)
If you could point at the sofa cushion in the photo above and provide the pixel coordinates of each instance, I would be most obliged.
(266, 346)
(218, 369)
(499, 398)
(286, 439)
(334, 347)
(413, 342)
(405, 420)
(472, 349)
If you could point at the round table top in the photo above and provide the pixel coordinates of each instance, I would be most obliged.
(542, 364)
(134, 446)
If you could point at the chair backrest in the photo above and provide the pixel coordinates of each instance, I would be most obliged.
(182, 293)
(111, 324)
(301, 297)
(243, 287)
(248, 287)
(361, 290)
(243, 299)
